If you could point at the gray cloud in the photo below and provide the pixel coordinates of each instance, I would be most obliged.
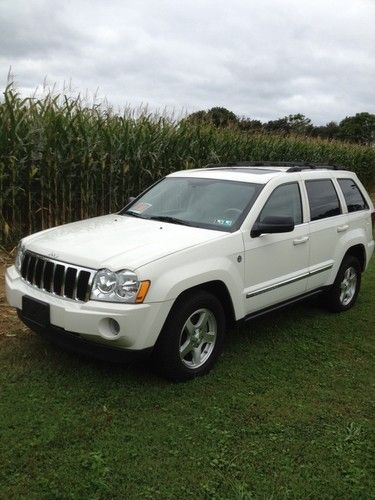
(260, 59)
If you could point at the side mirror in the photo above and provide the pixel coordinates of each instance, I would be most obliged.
(272, 224)
(130, 199)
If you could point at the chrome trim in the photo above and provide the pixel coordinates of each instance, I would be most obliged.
(277, 285)
(288, 281)
(63, 279)
(321, 269)
(55, 263)
(76, 284)
(42, 276)
(28, 265)
(51, 290)
(34, 270)
(282, 304)
(89, 286)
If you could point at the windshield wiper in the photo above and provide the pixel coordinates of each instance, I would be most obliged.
(134, 214)
(172, 220)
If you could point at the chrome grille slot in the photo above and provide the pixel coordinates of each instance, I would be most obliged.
(55, 277)
(58, 279)
(38, 272)
(48, 276)
(30, 269)
(70, 279)
(83, 285)
(25, 264)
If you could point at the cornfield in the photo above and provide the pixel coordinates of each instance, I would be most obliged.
(61, 160)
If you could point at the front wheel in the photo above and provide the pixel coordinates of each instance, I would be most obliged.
(343, 293)
(192, 337)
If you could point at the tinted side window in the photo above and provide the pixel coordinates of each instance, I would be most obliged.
(285, 201)
(323, 199)
(353, 196)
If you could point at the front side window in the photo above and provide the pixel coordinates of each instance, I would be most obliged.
(353, 196)
(323, 199)
(191, 201)
(285, 201)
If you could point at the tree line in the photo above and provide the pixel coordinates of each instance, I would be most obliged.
(359, 129)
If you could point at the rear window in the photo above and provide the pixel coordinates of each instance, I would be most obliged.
(323, 199)
(353, 196)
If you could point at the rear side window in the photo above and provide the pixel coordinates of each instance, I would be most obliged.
(285, 201)
(323, 199)
(353, 196)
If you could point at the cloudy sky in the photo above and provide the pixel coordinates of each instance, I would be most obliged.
(259, 58)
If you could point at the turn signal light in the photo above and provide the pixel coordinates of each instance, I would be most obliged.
(142, 291)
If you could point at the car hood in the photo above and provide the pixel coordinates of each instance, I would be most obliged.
(116, 242)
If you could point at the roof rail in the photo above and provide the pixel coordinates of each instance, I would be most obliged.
(316, 166)
(294, 166)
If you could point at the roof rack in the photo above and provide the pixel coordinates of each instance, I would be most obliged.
(294, 166)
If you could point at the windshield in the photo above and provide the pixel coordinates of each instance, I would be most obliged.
(207, 203)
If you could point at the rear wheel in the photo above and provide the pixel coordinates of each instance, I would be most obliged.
(343, 293)
(192, 337)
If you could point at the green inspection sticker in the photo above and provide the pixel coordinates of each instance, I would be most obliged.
(224, 222)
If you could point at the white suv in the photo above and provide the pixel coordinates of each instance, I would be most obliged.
(194, 253)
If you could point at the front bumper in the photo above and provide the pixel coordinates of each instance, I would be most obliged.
(74, 342)
(139, 324)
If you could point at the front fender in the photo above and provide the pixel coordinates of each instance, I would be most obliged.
(175, 274)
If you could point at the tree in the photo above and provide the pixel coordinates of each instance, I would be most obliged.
(297, 124)
(197, 117)
(221, 117)
(328, 131)
(217, 116)
(280, 125)
(359, 128)
(247, 124)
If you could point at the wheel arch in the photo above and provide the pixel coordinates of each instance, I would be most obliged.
(359, 252)
(217, 288)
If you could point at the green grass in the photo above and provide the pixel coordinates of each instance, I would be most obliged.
(287, 413)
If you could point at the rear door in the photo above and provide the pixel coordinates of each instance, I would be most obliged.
(328, 224)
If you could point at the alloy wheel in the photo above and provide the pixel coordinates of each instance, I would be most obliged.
(198, 338)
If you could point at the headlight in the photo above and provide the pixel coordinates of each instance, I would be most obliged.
(19, 256)
(122, 286)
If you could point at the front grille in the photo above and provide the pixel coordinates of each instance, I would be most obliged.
(55, 277)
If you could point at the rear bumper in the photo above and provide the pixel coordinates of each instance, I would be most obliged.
(74, 342)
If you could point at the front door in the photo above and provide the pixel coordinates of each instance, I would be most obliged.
(276, 265)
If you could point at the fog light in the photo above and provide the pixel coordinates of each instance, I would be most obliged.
(109, 328)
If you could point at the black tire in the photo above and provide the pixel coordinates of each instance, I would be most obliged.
(166, 356)
(334, 295)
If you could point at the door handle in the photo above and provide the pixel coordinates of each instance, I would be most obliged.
(299, 241)
(341, 229)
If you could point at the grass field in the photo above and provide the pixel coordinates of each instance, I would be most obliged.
(287, 413)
